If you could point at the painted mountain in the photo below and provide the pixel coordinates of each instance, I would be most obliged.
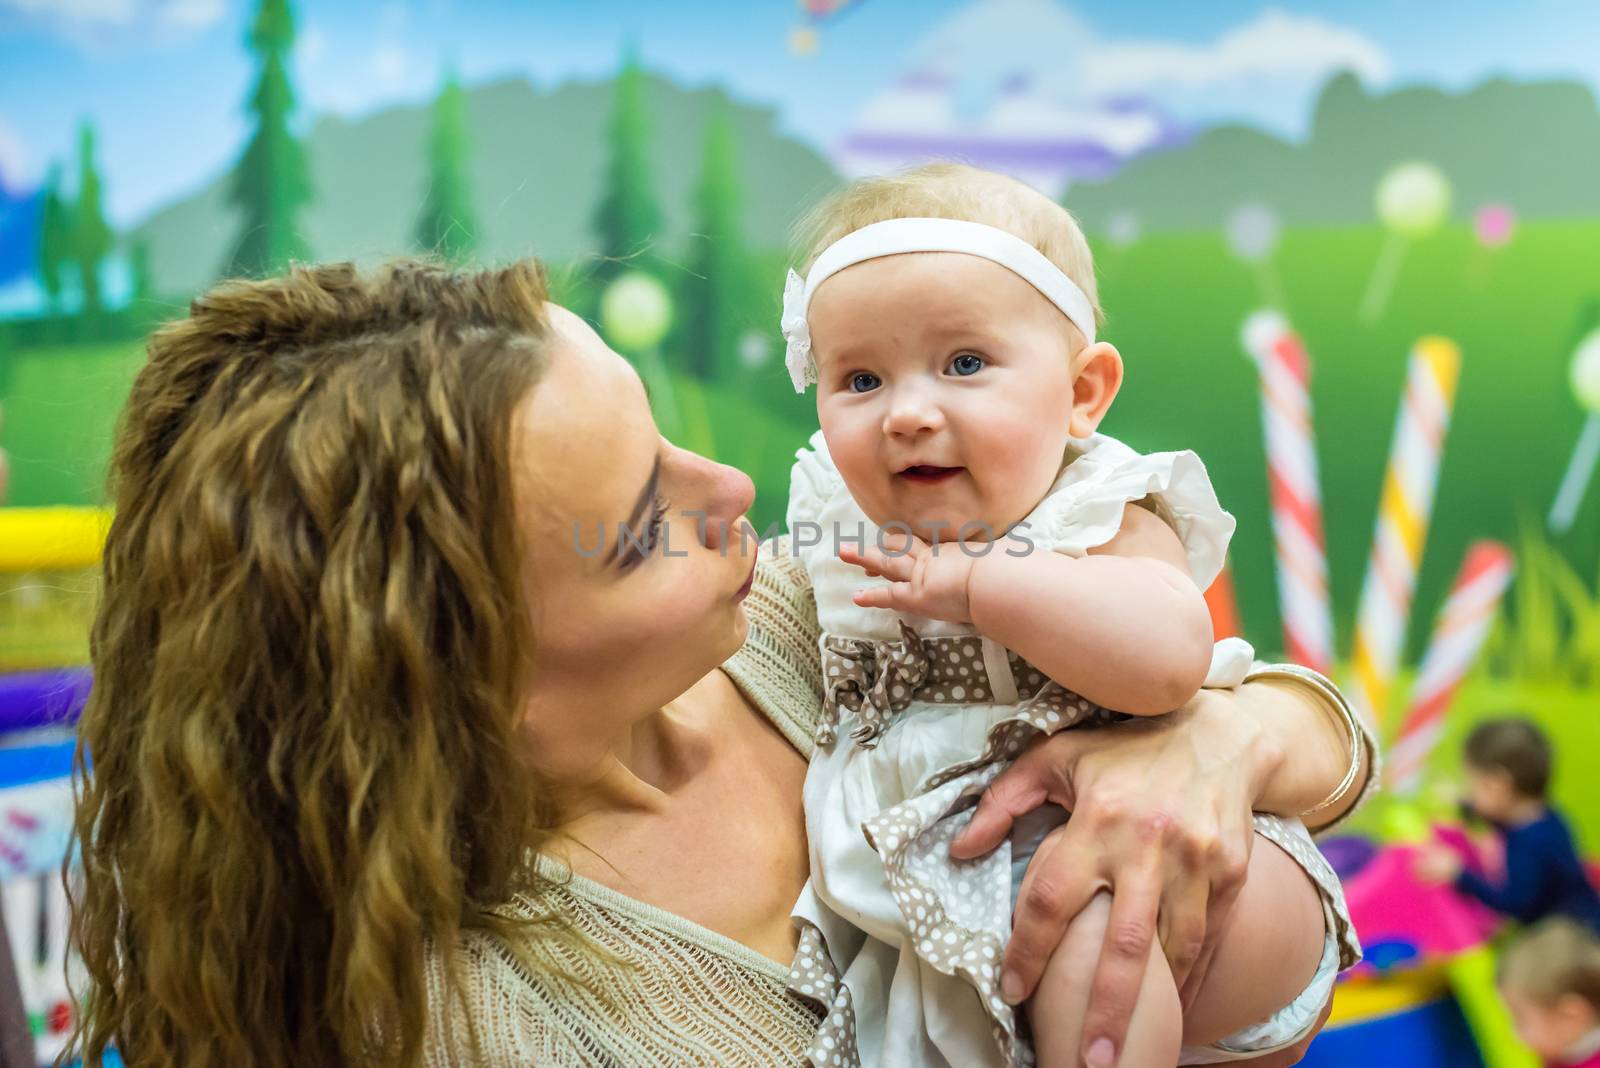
(537, 162)
(1534, 146)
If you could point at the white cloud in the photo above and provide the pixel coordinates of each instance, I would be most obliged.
(101, 24)
(391, 66)
(1037, 71)
(1273, 45)
(311, 44)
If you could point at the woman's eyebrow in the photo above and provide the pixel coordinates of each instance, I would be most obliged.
(639, 505)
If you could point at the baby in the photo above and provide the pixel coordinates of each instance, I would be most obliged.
(1550, 978)
(989, 569)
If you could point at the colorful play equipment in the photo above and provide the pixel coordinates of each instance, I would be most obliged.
(47, 585)
(1425, 993)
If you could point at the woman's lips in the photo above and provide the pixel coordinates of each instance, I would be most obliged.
(927, 473)
(750, 580)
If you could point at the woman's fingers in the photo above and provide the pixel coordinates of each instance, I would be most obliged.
(1120, 973)
(1182, 926)
(1039, 775)
(1055, 888)
(1224, 892)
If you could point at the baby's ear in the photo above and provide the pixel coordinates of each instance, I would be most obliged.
(1576, 1009)
(1096, 379)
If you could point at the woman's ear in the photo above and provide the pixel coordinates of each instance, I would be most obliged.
(1097, 377)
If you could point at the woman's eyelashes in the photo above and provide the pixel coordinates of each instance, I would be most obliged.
(643, 544)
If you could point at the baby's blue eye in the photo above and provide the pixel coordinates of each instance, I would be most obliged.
(967, 364)
(863, 383)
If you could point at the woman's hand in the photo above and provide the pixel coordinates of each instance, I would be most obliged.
(1161, 816)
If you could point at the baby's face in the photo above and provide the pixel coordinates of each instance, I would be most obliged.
(945, 390)
(1549, 1030)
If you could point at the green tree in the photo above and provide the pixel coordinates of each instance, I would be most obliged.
(271, 181)
(91, 237)
(55, 239)
(628, 220)
(446, 225)
(710, 295)
(139, 266)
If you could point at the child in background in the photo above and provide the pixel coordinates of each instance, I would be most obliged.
(1550, 979)
(1508, 771)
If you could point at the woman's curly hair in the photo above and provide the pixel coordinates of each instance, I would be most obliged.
(307, 660)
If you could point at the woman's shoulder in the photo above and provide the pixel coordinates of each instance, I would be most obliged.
(778, 669)
(616, 986)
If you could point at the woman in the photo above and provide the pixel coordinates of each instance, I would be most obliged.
(396, 760)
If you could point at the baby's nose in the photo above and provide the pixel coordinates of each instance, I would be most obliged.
(912, 411)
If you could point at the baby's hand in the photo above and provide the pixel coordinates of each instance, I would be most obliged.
(1436, 864)
(924, 580)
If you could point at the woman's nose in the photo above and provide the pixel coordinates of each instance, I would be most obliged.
(728, 495)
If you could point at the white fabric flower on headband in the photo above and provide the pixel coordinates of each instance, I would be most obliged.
(797, 334)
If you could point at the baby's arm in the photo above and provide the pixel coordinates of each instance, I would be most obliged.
(1125, 626)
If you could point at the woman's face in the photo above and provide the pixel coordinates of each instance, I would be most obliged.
(637, 554)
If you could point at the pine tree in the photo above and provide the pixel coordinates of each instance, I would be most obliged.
(271, 182)
(91, 237)
(446, 225)
(139, 267)
(55, 239)
(710, 293)
(628, 220)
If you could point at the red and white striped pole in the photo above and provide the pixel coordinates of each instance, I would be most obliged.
(1295, 488)
(1457, 639)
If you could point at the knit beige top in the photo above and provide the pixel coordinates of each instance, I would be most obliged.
(691, 996)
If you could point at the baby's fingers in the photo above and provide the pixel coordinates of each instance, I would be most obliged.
(878, 563)
(896, 597)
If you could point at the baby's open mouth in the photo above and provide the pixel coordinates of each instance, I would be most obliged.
(929, 473)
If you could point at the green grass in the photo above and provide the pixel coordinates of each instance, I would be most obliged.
(61, 405)
(1176, 303)
(1567, 714)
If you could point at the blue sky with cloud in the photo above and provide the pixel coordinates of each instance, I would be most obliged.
(164, 80)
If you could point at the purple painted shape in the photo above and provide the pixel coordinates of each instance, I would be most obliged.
(1389, 904)
(1348, 854)
(924, 79)
(32, 699)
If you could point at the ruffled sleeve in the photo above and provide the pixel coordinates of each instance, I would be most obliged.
(813, 482)
(1084, 508)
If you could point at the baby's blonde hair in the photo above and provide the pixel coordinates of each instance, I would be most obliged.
(1553, 959)
(956, 191)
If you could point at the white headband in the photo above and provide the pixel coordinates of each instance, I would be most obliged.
(897, 236)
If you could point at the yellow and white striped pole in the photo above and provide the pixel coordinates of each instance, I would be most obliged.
(1403, 515)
